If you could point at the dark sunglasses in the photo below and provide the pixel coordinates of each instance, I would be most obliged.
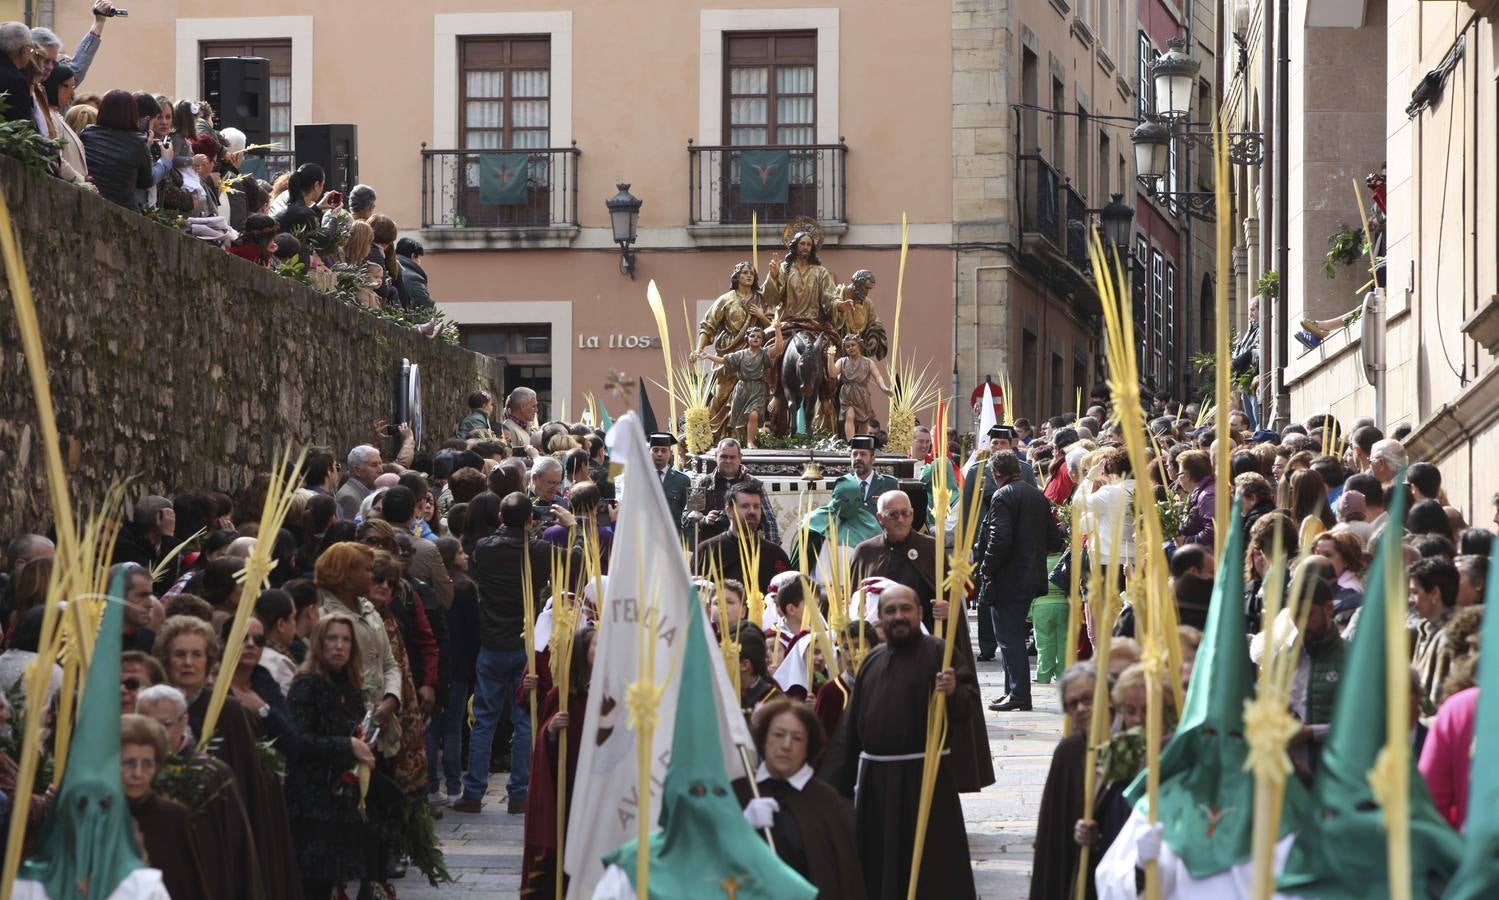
(259, 639)
(131, 684)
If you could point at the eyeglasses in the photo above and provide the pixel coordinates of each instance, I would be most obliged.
(130, 684)
(898, 514)
(373, 540)
(1077, 703)
(258, 639)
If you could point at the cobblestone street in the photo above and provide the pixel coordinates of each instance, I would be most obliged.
(484, 850)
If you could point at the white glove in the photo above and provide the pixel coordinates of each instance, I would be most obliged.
(760, 812)
(1148, 844)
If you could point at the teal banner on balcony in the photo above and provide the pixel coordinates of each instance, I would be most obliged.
(503, 178)
(764, 176)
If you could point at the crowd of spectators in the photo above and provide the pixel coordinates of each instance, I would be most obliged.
(170, 160)
(1321, 488)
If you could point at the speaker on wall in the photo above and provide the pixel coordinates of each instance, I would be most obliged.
(239, 90)
(335, 148)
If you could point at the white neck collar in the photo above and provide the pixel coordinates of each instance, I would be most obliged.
(798, 780)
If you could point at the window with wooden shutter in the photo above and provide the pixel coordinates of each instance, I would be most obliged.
(770, 88)
(504, 97)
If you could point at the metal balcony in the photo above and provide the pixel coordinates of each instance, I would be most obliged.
(455, 193)
(816, 185)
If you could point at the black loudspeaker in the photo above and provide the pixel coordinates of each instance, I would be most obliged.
(919, 500)
(335, 148)
(239, 90)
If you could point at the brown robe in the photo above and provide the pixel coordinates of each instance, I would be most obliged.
(814, 834)
(1055, 863)
(167, 829)
(234, 742)
(972, 761)
(221, 829)
(887, 716)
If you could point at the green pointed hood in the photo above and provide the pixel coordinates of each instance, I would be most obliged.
(1206, 796)
(704, 841)
(855, 523)
(1478, 875)
(88, 837)
(1340, 849)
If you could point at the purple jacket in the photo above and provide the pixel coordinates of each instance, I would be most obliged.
(1197, 528)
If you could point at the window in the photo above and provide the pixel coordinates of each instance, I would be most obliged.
(504, 103)
(1058, 388)
(1103, 27)
(770, 88)
(1142, 62)
(1030, 95)
(1169, 183)
(1104, 156)
(526, 352)
(1157, 299)
(505, 93)
(1140, 289)
(1169, 380)
(278, 54)
(1058, 126)
(1030, 364)
(1080, 176)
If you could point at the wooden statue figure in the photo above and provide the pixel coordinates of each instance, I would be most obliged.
(750, 368)
(856, 373)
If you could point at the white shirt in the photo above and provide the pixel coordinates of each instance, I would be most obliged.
(1115, 878)
(798, 780)
(142, 884)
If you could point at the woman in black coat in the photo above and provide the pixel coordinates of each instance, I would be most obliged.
(116, 152)
(322, 787)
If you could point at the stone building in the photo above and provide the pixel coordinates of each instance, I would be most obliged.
(1408, 86)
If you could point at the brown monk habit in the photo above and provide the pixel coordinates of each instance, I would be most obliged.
(234, 742)
(887, 717)
(166, 826)
(972, 762)
(1055, 863)
(221, 827)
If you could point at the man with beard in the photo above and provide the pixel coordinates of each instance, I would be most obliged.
(854, 313)
(861, 469)
(799, 285)
(207, 787)
(720, 555)
(879, 758)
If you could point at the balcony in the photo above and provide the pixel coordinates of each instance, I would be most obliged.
(1054, 223)
(499, 199)
(728, 185)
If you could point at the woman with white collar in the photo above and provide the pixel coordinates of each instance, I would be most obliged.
(811, 825)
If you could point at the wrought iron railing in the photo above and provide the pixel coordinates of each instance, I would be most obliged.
(1077, 226)
(1040, 195)
(722, 190)
(479, 189)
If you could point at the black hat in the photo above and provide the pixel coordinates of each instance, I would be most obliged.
(1002, 431)
(662, 439)
(861, 442)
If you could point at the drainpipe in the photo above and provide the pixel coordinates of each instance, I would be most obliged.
(1282, 213)
(1267, 200)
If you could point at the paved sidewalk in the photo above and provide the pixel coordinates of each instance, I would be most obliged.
(484, 850)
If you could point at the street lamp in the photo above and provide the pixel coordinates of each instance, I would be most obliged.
(1174, 77)
(624, 215)
(1118, 220)
(1152, 143)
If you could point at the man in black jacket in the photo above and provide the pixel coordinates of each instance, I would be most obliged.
(500, 570)
(409, 254)
(16, 51)
(1021, 532)
(146, 538)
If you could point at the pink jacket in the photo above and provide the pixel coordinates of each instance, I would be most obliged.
(1447, 756)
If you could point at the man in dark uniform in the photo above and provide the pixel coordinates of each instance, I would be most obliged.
(861, 470)
(674, 483)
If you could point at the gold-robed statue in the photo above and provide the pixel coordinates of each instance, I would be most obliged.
(726, 329)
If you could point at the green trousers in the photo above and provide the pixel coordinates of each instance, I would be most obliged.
(1049, 616)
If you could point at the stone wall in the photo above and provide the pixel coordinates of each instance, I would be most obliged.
(185, 368)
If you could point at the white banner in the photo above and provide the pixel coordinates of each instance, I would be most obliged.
(648, 587)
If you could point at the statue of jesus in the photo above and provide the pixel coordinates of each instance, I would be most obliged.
(798, 285)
